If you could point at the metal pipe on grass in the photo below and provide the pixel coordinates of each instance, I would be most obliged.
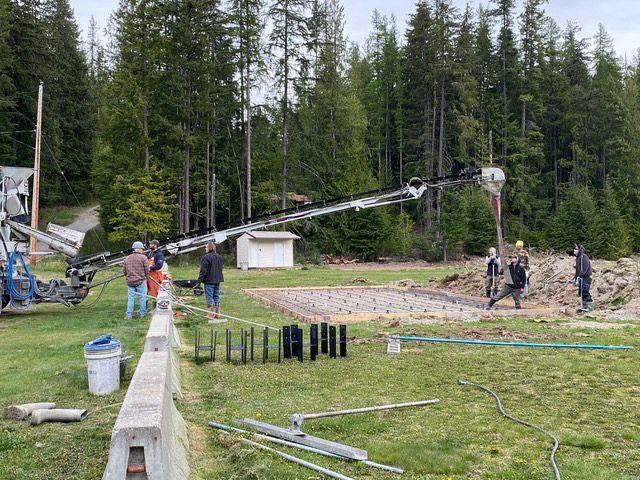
(309, 416)
(291, 458)
(511, 344)
(287, 443)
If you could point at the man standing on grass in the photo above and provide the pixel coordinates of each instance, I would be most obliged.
(136, 271)
(156, 261)
(517, 277)
(211, 276)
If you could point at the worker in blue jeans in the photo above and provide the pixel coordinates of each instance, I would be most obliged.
(211, 276)
(136, 272)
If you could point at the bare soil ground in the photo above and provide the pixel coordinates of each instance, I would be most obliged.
(615, 288)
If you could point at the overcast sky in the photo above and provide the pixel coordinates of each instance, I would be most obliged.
(618, 16)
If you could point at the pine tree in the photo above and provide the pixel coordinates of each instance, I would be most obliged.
(68, 125)
(611, 238)
(605, 111)
(469, 143)
(554, 87)
(419, 107)
(246, 18)
(147, 209)
(625, 172)
(574, 65)
(7, 89)
(286, 40)
(25, 42)
(574, 222)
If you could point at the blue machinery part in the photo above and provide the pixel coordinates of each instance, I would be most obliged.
(13, 292)
(508, 344)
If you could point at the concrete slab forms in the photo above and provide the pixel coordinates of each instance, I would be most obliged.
(357, 304)
(149, 436)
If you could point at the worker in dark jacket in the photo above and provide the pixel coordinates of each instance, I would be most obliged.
(518, 278)
(582, 278)
(156, 261)
(211, 276)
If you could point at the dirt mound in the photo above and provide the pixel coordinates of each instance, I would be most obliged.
(615, 288)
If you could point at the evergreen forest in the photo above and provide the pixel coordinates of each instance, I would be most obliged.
(191, 114)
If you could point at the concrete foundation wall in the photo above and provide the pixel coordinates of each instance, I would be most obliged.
(149, 438)
(149, 433)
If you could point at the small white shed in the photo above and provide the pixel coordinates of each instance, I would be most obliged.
(265, 250)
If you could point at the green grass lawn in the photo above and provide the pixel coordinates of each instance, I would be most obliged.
(589, 398)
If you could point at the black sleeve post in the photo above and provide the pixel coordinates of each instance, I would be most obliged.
(243, 344)
(252, 340)
(197, 344)
(324, 345)
(265, 345)
(332, 341)
(279, 344)
(313, 341)
(300, 342)
(343, 340)
(295, 346)
(286, 341)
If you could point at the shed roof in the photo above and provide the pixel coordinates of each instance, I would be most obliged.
(273, 235)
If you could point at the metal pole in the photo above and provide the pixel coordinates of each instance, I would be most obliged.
(33, 244)
(287, 443)
(297, 418)
(309, 416)
(512, 344)
(299, 461)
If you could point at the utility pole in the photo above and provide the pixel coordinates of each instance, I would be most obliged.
(212, 215)
(33, 245)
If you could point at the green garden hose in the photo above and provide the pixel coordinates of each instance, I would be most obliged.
(556, 472)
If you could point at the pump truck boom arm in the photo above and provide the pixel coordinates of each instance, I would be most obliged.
(191, 241)
(21, 288)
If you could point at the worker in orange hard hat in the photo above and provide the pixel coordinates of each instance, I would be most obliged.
(523, 260)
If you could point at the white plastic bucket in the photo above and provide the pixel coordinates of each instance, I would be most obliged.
(103, 367)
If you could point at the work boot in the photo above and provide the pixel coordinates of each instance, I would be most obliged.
(210, 314)
(216, 309)
(589, 306)
(490, 304)
(488, 293)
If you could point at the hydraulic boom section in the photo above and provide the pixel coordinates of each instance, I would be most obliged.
(415, 189)
(85, 268)
(82, 270)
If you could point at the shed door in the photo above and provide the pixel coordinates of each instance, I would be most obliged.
(278, 254)
(254, 254)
